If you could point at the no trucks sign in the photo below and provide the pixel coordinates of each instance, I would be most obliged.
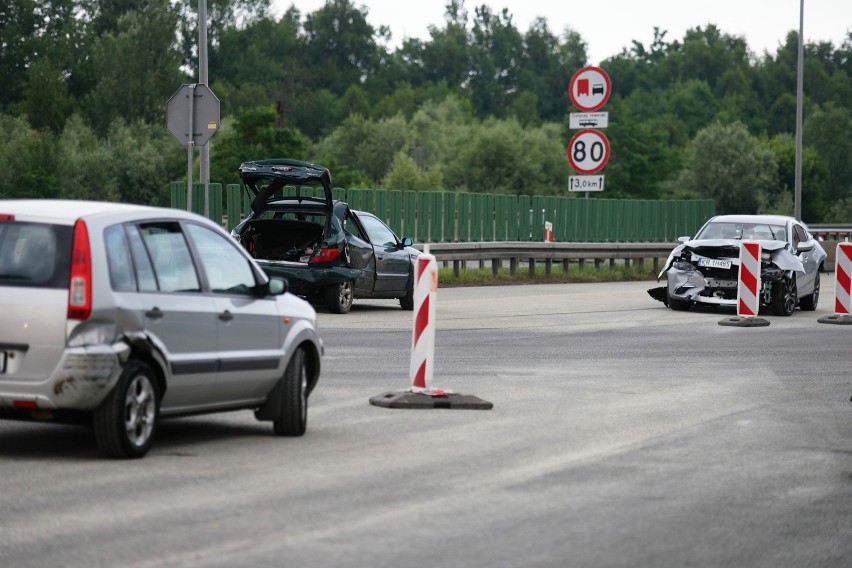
(589, 89)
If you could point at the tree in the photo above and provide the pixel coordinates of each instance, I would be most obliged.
(829, 131)
(729, 165)
(254, 136)
(340, 44)
(404, 174)
(496, 50)
(46, 101)
(814, 180)
(89, 166)
(137, 86)
(35, 29)
(29, 161)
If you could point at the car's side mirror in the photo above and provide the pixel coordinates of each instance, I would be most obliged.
(804, 247)
(407, 242)
(683, 240)
(277, 286)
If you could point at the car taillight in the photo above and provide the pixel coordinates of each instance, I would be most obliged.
(6, 217)
(80, 284)
(325, 255)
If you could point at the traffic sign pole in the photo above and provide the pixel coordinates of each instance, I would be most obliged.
(190, 149)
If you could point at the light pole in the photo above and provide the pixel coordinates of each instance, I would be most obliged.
(799, 96)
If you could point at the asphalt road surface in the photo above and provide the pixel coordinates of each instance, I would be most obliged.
(622, 434)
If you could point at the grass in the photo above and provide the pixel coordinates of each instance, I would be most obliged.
(575, 273)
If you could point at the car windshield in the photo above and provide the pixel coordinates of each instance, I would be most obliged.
(747, 231)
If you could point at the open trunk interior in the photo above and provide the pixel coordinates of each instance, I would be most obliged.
(282, 239)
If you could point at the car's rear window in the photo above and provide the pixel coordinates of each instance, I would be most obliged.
(34, 255)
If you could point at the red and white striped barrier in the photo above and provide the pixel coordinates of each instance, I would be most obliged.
(423, 337)
(843, 278)
(548, 232)
(748, 298)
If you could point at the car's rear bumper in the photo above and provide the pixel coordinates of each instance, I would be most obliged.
(81, 381)
(303, 277)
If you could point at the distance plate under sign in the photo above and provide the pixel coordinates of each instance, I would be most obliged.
(585, 183)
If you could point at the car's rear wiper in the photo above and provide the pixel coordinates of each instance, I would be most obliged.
(14, 277)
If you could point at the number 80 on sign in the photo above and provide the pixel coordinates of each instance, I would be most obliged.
(588, 151)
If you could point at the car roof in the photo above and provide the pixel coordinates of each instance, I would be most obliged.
(768, 219)
(66, 211)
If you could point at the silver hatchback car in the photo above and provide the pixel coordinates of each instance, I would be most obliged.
(117, 315)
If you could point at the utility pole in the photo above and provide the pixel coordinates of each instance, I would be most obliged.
(204, 149)
(799, 97)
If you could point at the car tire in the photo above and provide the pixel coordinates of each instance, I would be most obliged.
(809, 303)
(126, 421)
(679, 305)
(291, 406)
(407, 302)
(784, 297)
(338, 298)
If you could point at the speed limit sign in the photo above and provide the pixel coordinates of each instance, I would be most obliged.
(588, 151)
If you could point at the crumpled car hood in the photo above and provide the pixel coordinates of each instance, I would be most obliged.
(779, 255)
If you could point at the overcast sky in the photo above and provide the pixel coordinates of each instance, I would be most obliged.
(607, 26)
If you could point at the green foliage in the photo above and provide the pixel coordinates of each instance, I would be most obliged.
(255, 135)
(729, 165)
(404, 174)
(89, 166)
(46, 102)
(141, 156)
(29, 161)
(135, 88)
(475, 106)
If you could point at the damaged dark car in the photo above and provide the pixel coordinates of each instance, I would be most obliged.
(704, 270)
(328, 252)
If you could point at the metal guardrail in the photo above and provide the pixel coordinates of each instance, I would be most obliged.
(833, 232)
(517, 252)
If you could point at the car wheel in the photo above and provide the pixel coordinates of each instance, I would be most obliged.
(407, 301)
(679, 305)
(809, 303)
(291, 414)
(784, 297)
(126, 421)
(338, 298)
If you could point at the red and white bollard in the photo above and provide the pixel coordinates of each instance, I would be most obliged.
(548, 232)
(748, 289)
(843, 278)
(423, 336)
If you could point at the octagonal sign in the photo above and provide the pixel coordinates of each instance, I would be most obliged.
(205, 114)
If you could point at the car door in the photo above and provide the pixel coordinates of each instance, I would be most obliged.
(179, 318)
(250, 328)
(805, 282)
(361, 254)
(393, 264)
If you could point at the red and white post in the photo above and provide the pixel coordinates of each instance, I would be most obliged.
(423, 336)
(748, 288)
(843, 278)
(548, 232)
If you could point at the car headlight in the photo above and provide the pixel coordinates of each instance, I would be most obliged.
(683, 265)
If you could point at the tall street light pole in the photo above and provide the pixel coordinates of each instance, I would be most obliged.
(204, 149)
(799, 97)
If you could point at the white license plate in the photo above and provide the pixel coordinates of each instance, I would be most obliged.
(714, 263)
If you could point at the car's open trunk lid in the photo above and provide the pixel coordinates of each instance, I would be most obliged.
(264, 178)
